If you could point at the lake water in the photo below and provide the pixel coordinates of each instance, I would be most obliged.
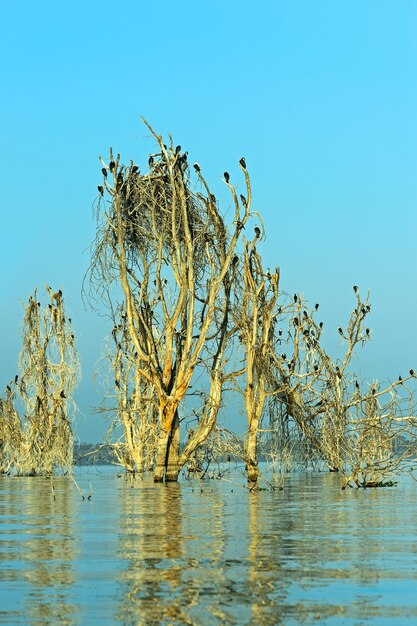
(139, 553)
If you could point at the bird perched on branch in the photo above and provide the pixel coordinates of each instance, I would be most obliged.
(316, 306)
(257, 232)
(104, 172)
(100, 189)
(196, 167)
(112, 165)
(62, 394)
(340, 329)
(355, 288)
(243, 162)
(243, 200)
(150, 160)
(226, 176)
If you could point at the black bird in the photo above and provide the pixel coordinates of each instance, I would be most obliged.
(243, 200)
(104, 171)
(235, 260)
(112, 165)
(280, 333)
(316, 306)
(100, 189)
(177, 149)
(295, 297)
(135, 168)
(357, 385)
(196, 167)
(150, 160)
(367, 331)
(355, 288)
(306, 333)
(305, 313)
(62, 394)
(340, 330)
(16, 378)
(257, 232)
(295, 320)
(412, 373)
(243, 163)
(316, 367)
(321, 325)
(400, 379)
(8, 388)
(116, 382)
(226, 176)
(284, 356)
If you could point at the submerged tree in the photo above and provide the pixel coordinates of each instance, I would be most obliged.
(11, 432)
(255, 319)
(363, 431)
(49, 370)
(174, 256)
(133, 433)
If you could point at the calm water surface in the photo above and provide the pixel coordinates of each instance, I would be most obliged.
(140, 553)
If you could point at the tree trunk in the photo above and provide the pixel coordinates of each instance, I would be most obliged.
(252, 456)
(167, 465)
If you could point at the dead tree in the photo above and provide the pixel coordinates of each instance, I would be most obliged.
(49, 371)
(255, 319)
(11, 432)
(133, 433)
(353, 427)
(170, 250)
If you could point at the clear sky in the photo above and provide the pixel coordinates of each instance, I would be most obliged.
(320, 97)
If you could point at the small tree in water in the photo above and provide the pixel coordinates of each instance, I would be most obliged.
(49, 371)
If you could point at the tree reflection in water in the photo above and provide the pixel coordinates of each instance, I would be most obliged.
(41, 545)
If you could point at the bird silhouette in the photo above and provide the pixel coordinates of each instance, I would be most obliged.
(340, 330)
(243, 163)
(355, 288)
(226, 176)
(104, 171)
(112, 165)
(196, 167)
(257, 232)
(100, 189)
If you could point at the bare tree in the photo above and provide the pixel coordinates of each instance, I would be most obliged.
(353, 427)
(133, 433)
(169, 248)
(255, 319)
(49, 370)
(11, 432)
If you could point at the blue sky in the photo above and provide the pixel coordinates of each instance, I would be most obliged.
(320, 97)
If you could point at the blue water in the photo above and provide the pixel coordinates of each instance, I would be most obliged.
(140, 553)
